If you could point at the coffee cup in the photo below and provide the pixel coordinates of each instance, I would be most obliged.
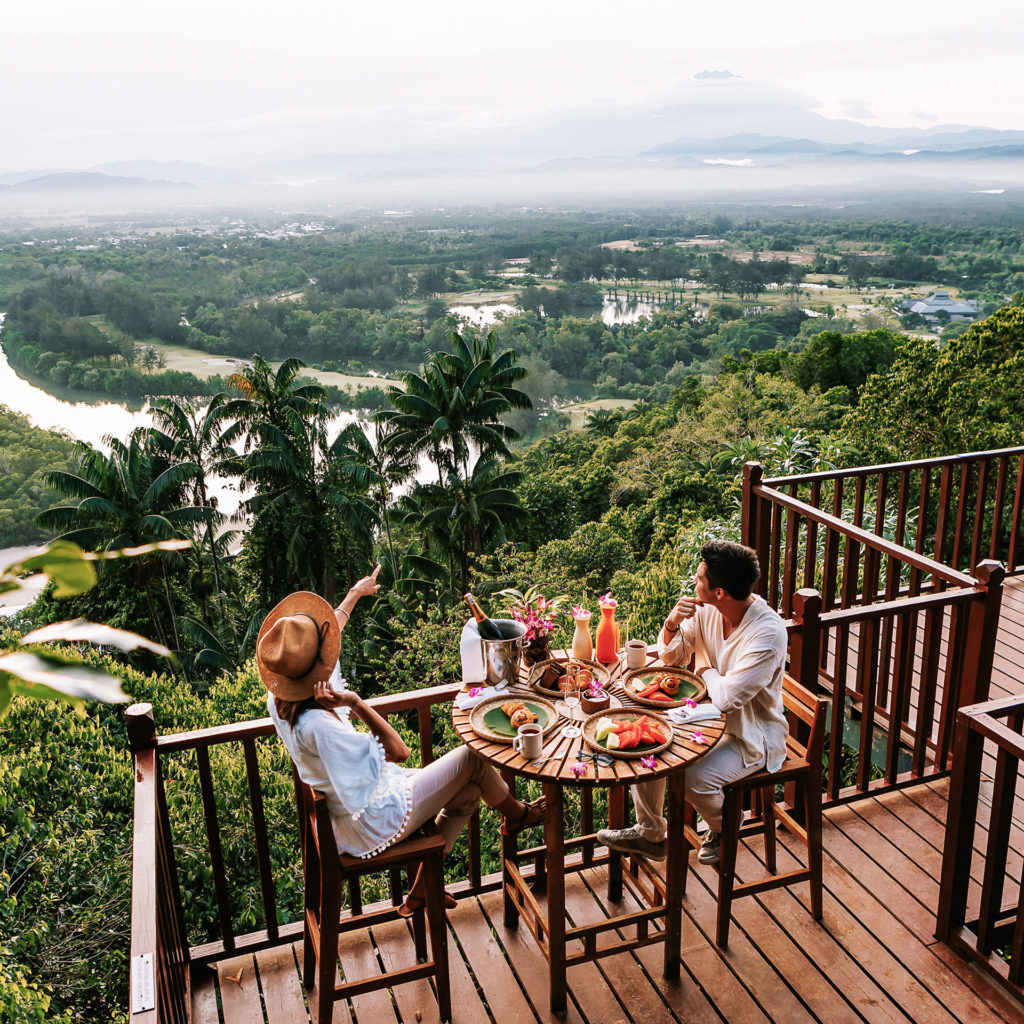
(636, 654)
(529, 740)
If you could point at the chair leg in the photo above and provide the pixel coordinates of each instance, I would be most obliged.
(689, 822)
(419, 935)
(434, 871)
(327, 960)
(767, 795)
(310, 901)
(731, 812)
(812, 822)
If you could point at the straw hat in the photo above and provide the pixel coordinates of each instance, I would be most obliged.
(298, 644)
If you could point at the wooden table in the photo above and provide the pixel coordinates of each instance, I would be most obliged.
(664, 899)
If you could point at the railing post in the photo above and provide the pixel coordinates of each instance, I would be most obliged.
(805, 642)
(750, 535)
(138, 720)
(961, 818)
(982, 625)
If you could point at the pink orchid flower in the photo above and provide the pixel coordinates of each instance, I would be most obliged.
(607, 601)
(578, 611)
(476, 691)
(698, 736)
(579, 769)
(647, 762)
(689, 703)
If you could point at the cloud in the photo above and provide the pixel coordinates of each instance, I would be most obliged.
(716, 74)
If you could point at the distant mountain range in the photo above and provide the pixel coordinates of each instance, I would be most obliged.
(960, 159)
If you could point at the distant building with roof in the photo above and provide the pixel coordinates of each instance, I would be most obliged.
(940, 300)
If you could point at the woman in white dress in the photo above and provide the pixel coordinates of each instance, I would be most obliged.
(373, 800)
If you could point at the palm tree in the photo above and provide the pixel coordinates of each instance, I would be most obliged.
(603, 422)
(196, 435)
(466, 518)
(131, 497)
(310, 510)
(456, 402)
(266, 399)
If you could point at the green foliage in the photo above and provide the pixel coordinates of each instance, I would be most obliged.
(27, 454)
(964, 396)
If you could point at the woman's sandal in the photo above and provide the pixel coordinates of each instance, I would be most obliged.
(531, 815)
(412, 904)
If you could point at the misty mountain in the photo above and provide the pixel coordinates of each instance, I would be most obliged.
(89, 181)
(168, 171)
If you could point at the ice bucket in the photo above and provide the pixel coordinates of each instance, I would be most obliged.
(502, 657)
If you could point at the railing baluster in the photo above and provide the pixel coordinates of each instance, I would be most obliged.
(1013, 558)
(998, 510)
(811, 559)
(259, 825)
(942, 520)
(979, 512)
(867, 650)
(961, 515)
(216, 855)
(1000, 821)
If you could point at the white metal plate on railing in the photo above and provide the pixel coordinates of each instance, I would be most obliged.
(143, 995)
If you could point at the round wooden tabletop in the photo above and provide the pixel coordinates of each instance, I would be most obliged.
(562, 754)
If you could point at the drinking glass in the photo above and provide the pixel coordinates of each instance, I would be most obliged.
(571, 699)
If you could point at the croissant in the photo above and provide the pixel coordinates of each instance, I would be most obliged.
(518, 713)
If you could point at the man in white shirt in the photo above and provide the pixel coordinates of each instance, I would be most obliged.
(739, 644)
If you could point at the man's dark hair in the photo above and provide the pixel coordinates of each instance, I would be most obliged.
(730, 566)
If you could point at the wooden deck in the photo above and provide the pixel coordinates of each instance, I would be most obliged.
(873, 958)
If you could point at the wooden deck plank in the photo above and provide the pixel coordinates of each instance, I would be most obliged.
(587, 988)
(620, 974)
(281, 985)
(396, 948)
(498, 984)
(204, 999)
(359, 961)
(778, 975)
(899, 924)
(852, 981)
(239, 990)
(683, 997)
(812, 966)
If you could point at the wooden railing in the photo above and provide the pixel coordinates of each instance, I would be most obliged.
(905, 639)
(956, 511)
(981, 899)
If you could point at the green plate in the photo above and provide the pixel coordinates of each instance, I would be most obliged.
(640, 749)
(686, 687)
(497, 721)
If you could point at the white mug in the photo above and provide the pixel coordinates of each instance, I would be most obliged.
(636, 654)
(529, 740)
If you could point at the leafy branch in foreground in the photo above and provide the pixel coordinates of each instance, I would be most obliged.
(47, 675)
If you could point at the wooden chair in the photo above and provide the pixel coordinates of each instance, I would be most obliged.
(801, 775)
(325, 870)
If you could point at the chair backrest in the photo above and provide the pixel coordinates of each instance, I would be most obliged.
(807, 714)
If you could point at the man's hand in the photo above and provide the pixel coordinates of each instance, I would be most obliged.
(327, 697)
(685, 608)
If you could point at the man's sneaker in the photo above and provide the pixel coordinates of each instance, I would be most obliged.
(710, 848)
(629, 840)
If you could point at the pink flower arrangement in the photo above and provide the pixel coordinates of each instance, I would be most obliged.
(594, 689)
(579, 769)
(647, 762)
(578, 611)
(607, 601)
(535, 611)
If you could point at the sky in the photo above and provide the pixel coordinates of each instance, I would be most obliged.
(220, 80)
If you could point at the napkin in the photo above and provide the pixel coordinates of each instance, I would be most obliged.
(464, 702)
(686, 715)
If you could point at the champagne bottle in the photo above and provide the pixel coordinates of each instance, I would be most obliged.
(487, 628)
